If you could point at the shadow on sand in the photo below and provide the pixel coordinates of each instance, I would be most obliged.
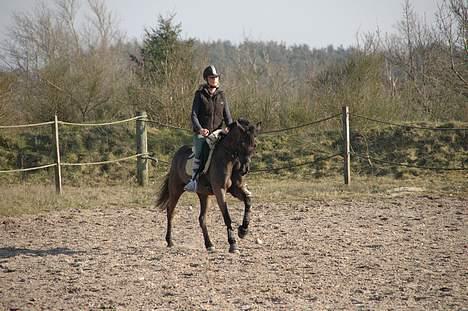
(8, 252)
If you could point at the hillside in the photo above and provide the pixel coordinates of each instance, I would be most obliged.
(304, 153)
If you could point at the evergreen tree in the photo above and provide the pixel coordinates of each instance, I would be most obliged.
(166, 74)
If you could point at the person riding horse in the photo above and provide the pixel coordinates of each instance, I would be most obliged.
(209, 110)
(226, 174)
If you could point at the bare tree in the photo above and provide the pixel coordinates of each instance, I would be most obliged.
(76, 71)
(452, 22)
(412, 59)
(6, 95)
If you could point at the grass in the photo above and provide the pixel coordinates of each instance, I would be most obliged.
(30, 198)
(361, 187)
(113, 185)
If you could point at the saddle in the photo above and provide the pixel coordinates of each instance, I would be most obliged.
(206, 154)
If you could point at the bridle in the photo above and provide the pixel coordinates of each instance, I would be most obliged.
(236, 153)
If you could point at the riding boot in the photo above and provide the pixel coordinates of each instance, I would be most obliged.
(191, 186)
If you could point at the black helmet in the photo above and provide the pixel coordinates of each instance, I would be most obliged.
(210, 71)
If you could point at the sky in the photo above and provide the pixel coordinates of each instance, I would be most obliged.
(317, 23)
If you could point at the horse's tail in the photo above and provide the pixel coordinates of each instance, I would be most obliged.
(163, 196)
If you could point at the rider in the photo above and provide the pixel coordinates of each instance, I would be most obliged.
(209, 109)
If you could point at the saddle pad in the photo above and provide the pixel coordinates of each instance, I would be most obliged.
(212, 140)
(189, 164)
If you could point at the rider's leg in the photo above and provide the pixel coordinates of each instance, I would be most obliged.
(198, 142)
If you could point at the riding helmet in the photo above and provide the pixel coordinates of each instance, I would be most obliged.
(210, 71)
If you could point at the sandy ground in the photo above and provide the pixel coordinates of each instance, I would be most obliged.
(403, 252)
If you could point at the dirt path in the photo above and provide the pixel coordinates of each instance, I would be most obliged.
(397, 253)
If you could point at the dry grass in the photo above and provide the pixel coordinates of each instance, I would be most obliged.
(18, 199)
(361, 187)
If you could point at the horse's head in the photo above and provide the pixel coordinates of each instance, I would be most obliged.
(242, 139)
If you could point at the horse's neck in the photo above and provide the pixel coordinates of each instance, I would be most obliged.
(223, 148)
(223, 154)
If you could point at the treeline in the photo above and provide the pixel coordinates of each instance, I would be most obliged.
(88, 70)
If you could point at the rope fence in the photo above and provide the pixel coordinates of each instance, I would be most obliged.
(302, 125)
(411, 126)
(142, 155)
(167, 125)
(105, 162)
(262, 133)
(273, 169)
(391, 163)
(29, 168)
(409, 165)
(25, 125)
(101, 124)
(80, 164)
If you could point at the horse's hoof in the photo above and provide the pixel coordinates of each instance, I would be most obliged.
(170, 244)
(211, 249)
(242, 232)
(233, 249)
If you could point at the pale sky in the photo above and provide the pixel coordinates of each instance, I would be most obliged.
(316, 23)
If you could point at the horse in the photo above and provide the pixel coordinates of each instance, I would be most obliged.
(229, 164)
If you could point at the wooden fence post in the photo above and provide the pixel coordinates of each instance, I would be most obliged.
(58, 171)
(346, 155)
(142, 148)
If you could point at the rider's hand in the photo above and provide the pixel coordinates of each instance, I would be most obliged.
(204, 132)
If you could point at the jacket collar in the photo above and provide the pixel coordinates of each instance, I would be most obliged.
(204, 88)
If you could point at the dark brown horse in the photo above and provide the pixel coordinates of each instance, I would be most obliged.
(229, 164)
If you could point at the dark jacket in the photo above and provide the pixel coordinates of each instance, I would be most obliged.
(209, 111)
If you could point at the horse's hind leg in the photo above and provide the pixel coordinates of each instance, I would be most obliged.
(174, 198)
(204, 205)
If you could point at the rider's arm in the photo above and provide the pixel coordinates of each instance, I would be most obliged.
(226, 112)
(195, 112)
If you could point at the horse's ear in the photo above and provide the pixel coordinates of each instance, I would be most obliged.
(258, 127)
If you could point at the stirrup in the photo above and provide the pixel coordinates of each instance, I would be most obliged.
(191, 186)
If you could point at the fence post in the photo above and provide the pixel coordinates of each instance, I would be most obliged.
(346, 156)
(142, 148)
(58, 171)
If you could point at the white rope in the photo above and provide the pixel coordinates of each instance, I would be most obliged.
(100, 124)
(69, 123)
(29, 169)
(74, 164)
(412, 126)
(103, 162)
(25, 125)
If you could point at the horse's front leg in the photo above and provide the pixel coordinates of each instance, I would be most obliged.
(239, 193)
(221, 199)
(244, 228)
(204, 204)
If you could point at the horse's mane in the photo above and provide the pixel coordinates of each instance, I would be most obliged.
(244, 122)
(248, 126)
